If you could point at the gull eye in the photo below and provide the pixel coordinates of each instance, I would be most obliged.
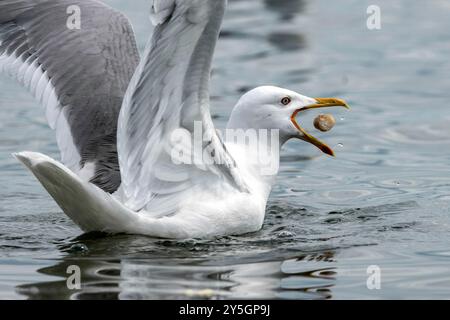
(285, 101)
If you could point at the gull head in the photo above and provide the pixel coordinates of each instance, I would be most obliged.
(274, 108)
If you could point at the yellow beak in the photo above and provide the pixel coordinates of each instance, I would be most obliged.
(321, 103)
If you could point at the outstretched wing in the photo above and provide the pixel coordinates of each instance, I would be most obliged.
(79, 74)
(168, 99)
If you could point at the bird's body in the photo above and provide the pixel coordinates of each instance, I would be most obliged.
(132, 181)
(205, 212)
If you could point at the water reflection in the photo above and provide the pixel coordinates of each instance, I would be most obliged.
(308, 276)
(287, 41)
(287, 9)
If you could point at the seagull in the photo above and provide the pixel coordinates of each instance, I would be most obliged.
(118, 118)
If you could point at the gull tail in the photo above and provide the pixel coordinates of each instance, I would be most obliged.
(91, 208)
(88, 206)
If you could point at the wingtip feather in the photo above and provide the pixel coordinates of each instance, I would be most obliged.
(30, 159)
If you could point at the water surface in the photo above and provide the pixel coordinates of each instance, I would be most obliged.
(383, 201)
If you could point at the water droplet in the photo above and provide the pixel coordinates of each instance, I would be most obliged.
(342, 118)
(285, 234)
(78, 247)
(340, 145)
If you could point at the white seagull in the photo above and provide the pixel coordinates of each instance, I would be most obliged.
(118, 118)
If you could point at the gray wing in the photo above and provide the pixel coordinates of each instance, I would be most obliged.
(79, 75)
(169, 97)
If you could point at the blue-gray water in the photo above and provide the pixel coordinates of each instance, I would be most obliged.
(383, 201)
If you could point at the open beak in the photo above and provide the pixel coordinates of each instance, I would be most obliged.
(321, 103)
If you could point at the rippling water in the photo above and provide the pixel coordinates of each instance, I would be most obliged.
(383, 201)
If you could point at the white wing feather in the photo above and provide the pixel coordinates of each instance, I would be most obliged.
(170, 91)
(161, 11)
(80, 76)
